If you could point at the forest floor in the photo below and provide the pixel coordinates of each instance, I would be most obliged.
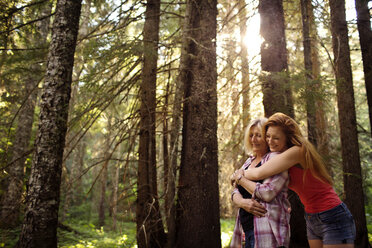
(82, 234)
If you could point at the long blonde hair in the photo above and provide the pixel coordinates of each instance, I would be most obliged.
(259, 122)
(313, 160)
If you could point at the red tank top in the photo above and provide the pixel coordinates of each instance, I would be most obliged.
(316, 195)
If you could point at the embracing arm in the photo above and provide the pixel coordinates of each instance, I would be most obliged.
(271, 187)
(249, 205)
(247, 184)
(238, 178)
(276, 165)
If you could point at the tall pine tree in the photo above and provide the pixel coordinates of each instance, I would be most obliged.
(150, 230)
(347, 118)
(41, 214)
(198, 198)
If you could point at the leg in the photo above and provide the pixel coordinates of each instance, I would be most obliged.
(315, 243)
(339, 246)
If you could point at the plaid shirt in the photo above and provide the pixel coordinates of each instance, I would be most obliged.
(237, 237)
(271, 230)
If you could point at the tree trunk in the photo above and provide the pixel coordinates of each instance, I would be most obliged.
(102, 198)
(41, 215)
(365, 38)
(310, 89)
(104, 175)
(12, 198)
(277, 96)
(174, 142)
(165, 142)
(80, 150)
(114, 203)
(245, 64)
(347, 119)
(76, 174)
(198, 199)
(322, 137)
(150, 230)
(66, 192)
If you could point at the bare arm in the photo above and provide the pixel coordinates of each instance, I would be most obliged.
(247, 184)
(276, 165)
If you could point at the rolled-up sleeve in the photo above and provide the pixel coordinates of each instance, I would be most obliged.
(271, 187)
(235, 191)
(244, 166)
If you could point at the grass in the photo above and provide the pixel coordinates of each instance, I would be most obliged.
(369, 222)
(227, 227)
(89, 236)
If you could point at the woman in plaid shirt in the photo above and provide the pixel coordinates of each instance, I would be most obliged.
(272, 229)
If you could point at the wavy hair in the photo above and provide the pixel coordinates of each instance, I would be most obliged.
(313, 160)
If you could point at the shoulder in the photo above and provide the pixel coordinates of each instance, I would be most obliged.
(292, 152)
(294, 149)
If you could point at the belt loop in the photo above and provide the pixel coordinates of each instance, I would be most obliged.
(343, 206)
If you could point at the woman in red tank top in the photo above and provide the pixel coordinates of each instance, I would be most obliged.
(329, 222)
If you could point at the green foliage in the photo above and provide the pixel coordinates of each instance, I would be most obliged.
(369, 221)
(87, 235)
(227, 228)
(80, 212)
(9, 237)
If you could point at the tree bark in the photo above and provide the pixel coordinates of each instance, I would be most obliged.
(198, 199)
(174, 141)
(12, 198)
(277, 96)
(245, 64)
(41, 214)
(150, 230)
(347, 118)
(114, 203)
(165, 143)
(322, 137)
(310, 83)
(102, 197)
(80, 150)
(365, 38)
(104, 174)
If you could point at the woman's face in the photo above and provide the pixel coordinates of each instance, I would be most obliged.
(258, 143)
(276, 139)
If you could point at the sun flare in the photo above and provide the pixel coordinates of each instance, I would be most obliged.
(252, 38)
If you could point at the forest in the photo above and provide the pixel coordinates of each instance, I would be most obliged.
(123, 120)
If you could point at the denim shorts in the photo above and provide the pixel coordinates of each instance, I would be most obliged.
(334, 226)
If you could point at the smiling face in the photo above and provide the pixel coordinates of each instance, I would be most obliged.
(276, 139)
(259, 146)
